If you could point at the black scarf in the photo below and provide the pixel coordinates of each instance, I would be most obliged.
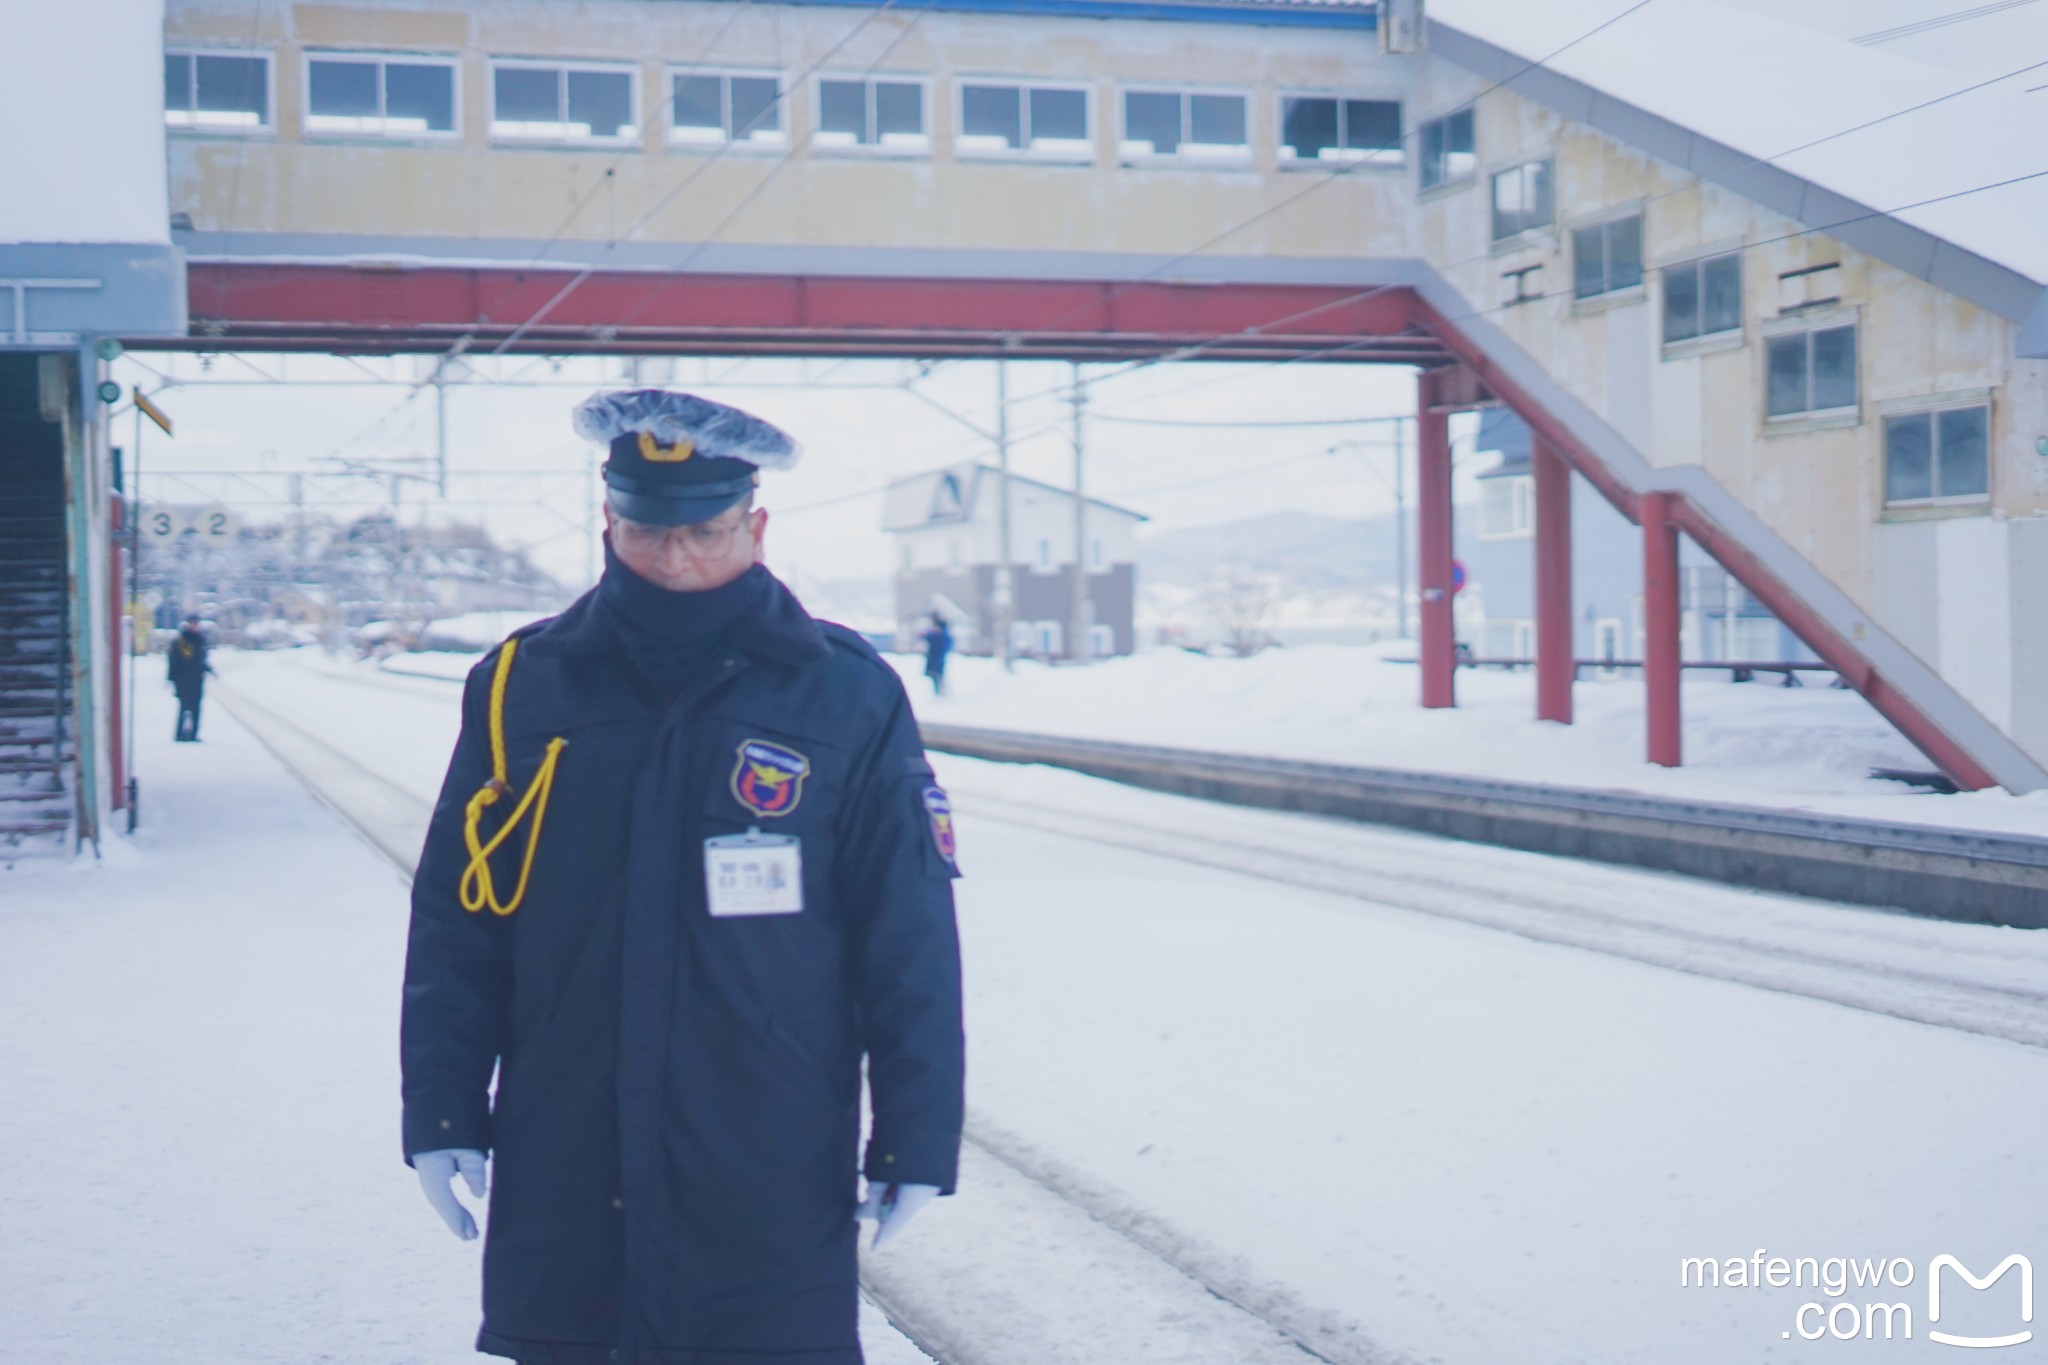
(666, 634)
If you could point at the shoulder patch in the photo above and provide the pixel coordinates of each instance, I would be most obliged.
(939, 812)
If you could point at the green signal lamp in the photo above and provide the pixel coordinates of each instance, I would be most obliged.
(109, 391)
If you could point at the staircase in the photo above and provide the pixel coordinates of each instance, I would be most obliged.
(36, 740)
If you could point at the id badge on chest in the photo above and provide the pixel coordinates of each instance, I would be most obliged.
(753, 874)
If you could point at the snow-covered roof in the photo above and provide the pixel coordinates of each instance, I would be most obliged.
(923, 499)
(1829, 92)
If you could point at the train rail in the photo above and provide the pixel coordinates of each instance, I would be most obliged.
(926, 1286)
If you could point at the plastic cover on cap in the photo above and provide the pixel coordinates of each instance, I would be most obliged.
(713, 428)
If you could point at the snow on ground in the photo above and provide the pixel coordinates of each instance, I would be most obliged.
(199, 1142)
(1756, 743)
(1454, 1143)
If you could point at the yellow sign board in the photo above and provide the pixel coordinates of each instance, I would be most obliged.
(151, 410)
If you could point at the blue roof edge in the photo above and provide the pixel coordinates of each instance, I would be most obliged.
(1261, 12)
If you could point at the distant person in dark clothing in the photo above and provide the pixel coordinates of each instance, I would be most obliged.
(938, 643)
(188, 676)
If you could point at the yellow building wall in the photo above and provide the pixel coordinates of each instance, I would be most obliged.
(1948, 583)
(283, 181)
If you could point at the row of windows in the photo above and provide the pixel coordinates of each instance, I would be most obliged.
(1933, 457)
(576, 103)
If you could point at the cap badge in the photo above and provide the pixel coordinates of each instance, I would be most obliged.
(769, 779)
(675, 454)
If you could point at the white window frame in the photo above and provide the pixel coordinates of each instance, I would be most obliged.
(1804, 324)
(1365, 158)
(1603, 221)
(698, 138)
(1697, 264)
(1540, 232)
(635, 101)
(1607, 631)
(267, 128)
(1449, 182)
(1932, 410)
(450, 61)
(1065, 156)
(1240, 158)
(877, 148)
(1521, 507)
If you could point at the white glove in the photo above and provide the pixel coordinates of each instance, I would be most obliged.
(891, 1206)
(437, 1171)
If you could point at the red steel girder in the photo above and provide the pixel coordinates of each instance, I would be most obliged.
(306, 306)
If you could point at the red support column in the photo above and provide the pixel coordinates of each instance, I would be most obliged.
(1439, 641)
(1555, 666)
(1661, 625)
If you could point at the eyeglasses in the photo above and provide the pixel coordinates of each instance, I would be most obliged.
(704, 540)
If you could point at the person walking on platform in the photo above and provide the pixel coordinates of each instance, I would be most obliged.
(938, 643)
(189, 667)
(689, 866)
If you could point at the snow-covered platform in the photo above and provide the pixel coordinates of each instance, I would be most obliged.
(199, 1152)
(1236, 1078)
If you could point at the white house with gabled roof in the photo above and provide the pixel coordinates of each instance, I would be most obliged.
(948, 529)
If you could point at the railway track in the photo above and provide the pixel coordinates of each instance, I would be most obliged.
(937, 1289)
(1994, 984)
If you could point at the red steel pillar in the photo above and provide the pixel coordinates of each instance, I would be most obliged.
(1439, 641)
(1556, 668)
(1661, 625)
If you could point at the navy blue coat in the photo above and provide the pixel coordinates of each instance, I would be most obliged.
(675, 1125)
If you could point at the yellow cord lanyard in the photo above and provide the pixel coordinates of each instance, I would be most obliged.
(477, 888)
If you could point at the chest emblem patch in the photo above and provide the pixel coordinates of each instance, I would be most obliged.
(940, 811)
(769, 778)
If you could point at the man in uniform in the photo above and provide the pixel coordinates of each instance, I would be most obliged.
(688, 868)
(189, 667)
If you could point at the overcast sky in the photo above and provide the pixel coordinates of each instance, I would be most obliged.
(858, 423)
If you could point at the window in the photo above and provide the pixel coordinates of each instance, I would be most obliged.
(532, 102)
(712, 108)
(1810, 372)
(1703, 297)
(217, 91)
(887, 115)
(1018, 120)
(1184, 124)
(1607, 257)
(1045, 554)
(1327, 129)
(1521, 199)
(1933, 456)
(379, 96)
(1095, 552)
(1507, 506)
(1447, 153)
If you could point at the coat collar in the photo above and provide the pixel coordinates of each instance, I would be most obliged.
(783, 632)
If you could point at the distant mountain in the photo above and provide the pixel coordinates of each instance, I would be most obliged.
(1314, 553)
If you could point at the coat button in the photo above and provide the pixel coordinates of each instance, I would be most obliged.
(445, 1125)
(618, 1203)
(889, 1159)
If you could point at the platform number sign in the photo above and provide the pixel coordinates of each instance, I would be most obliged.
(210, 523)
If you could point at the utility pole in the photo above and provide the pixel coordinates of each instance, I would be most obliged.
(1005, 582)
(441, 426)
(1077, 646)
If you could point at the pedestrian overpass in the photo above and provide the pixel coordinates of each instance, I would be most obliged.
(1277, 180)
